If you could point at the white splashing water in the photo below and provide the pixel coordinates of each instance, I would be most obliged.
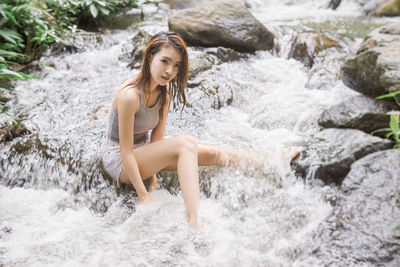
(248, 218)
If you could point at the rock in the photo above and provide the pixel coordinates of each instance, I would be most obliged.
(4, 99)
(202, 59)
(332, 151)
(361, 228)
(222, 23)
(307, 45)
(376, 68)
(359, 112)
(9, 131)
(124, 20)
(334, 4)
(181, 4)
(227, 54)
(370, 6)
(390, 8)
(139, 41)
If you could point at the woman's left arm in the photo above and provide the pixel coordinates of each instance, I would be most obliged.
(157, 134)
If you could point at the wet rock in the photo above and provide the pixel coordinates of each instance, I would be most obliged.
(222, 23)
(370, 6)
(361, 228)
(139, 41)
(169, 180)
(123, 21)
(306, 46)
(227, 54)
(332, 151)
(375, 70)
(4, 99)
(334, 4)
(390, 8)
(181, 4)
(358, 112)
(9, 131)
(65, 47)
(202, 59)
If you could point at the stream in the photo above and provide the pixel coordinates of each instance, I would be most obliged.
(58, 209)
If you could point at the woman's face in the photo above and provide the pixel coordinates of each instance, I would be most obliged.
(164, 65)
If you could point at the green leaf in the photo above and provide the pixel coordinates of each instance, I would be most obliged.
(93, 10)
(9, 74)
(388, 95)
(104, 11)
(101, 3)
(382, 130)
(11, 36)
(389, 134)
(394, 122)
(16, 123)
(6, 86)
(9, 54)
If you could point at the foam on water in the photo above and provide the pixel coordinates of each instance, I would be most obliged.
(253, 224)
(57, 209)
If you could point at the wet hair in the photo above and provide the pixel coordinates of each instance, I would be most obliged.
(179, 83)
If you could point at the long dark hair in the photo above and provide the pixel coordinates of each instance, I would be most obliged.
(179, 83)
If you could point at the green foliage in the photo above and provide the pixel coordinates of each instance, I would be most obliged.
(394, 130)
(393, 94)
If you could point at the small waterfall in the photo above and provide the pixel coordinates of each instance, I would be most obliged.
(58, 208)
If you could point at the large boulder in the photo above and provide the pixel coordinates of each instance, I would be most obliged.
(358, 112)
(182, 4)
(361, 228)
(390, 8)
(332, 151)
(375, 70)
(222, 23)
(306, 47)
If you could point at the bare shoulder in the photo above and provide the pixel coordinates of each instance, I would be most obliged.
(128, 98)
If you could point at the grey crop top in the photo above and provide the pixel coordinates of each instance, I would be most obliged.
(146, 119)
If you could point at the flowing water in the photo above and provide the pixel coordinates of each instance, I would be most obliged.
(57, 209)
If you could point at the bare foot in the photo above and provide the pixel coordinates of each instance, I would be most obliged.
(291, 152)
(193, 223)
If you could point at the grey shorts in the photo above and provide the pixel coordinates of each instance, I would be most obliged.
(111, 158)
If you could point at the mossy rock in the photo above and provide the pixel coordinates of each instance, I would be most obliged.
(390, 9)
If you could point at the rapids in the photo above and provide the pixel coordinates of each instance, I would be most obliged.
(57, 209)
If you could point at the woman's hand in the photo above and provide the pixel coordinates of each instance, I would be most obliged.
(153, 183)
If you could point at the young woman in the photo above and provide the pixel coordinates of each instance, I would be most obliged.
(130, 154)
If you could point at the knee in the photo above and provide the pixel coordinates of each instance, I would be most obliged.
(188, 143)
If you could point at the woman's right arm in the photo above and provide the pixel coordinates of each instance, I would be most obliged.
(128, 102)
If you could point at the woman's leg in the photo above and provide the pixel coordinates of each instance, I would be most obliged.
(210, 156)
(180, 152)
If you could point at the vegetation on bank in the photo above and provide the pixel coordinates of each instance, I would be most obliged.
(394, 125)
(28, 27)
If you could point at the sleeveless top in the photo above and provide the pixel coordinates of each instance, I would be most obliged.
(145, 119)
